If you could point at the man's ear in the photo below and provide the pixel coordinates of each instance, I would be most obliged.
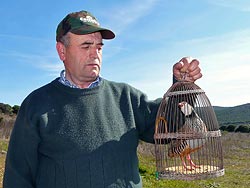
(61, 50)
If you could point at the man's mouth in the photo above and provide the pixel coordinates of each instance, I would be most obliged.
(93, 65)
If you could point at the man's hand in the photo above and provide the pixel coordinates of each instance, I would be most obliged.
(187, 69)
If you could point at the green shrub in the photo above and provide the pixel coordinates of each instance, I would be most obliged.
(231, 128)
(5, 108)
(223, 128)
(15, 109)
(242, 128)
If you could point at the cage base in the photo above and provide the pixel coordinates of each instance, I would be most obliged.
(179, 173)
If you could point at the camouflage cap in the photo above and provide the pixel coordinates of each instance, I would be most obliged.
(81, 23)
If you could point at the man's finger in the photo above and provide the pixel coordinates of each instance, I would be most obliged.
(193, 65)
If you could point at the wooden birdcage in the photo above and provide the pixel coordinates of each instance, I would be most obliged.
(187, 136)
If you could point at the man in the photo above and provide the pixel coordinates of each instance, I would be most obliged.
(81, 130)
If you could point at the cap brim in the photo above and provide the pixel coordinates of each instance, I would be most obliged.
(106, 33)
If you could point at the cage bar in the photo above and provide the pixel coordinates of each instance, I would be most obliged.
(186, 128)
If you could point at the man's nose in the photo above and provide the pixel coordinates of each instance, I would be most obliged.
(94, 51)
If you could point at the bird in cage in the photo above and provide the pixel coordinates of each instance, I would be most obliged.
(184, 147)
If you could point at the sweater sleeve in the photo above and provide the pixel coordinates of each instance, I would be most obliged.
(21, 161)
(145, 115)
(148, 112)
(150, 116)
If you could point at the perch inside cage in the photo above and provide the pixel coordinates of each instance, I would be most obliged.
(187, 136)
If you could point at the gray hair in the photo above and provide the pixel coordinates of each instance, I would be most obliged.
(65, 40)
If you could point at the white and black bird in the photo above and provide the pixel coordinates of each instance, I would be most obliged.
(184, 147)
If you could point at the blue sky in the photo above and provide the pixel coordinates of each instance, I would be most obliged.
(151, 35)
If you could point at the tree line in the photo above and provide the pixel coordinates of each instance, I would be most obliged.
(244, 128)
(8, 110)
(8, 115)
(7, 119)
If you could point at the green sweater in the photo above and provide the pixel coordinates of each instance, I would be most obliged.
(79, 138)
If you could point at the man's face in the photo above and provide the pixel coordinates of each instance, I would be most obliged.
(83, 57)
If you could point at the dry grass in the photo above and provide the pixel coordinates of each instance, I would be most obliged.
(2, 160)
(236, 150)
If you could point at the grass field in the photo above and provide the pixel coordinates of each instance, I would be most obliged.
(236, 150)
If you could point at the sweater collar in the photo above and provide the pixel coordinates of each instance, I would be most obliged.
(66, 82)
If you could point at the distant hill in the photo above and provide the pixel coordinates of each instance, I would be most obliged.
(233, 115)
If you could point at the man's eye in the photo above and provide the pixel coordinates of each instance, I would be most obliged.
(85, 47)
